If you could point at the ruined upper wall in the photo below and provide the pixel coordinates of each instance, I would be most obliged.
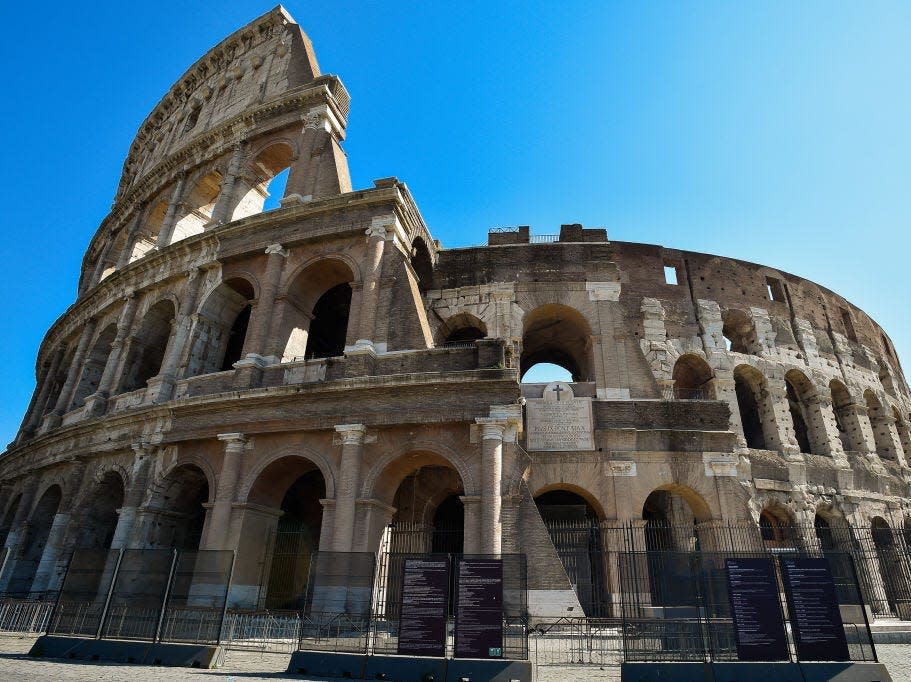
(269, 56)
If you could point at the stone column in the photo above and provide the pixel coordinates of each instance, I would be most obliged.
(471, 504)
(726, 390)
(492, 432)
(44, 574)
(17, 531)
(66, 393)
(96, 403)
(124, 533)
(161, 387)
(258, 347)
(776, 418)
(352, 438)
(224, 205)
(891, 443)
(219, 523)
(371, 519)
(36, 410)
(123, 258)
(170, 218)
(381, 229)
(822, 422)
(859, 427)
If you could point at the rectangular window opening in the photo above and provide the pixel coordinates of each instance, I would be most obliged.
(671, 274)
(774, 289)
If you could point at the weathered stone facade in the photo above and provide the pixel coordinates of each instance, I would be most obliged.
(327, 367)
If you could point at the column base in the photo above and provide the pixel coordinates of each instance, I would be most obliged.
(161, 389)
(96, 405)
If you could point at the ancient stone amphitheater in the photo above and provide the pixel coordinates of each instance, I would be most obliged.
(326, 375)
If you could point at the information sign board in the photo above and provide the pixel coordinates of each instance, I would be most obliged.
(479, 608)
(819, 633)
(758, 625)
(425, 597)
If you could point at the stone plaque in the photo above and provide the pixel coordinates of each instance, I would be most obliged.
(559, 421)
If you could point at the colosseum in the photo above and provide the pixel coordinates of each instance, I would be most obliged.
(325, 375)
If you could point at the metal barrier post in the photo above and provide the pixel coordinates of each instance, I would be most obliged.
(224, 609)
(167, 595)
(107, 601)
(47, 629)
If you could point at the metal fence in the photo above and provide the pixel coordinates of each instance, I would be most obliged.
(25, 615)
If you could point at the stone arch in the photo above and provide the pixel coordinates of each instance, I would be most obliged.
(36, 537)
(272, 160)
(148, 346)
(152, 223)
(97, 516)
(197, 205)
(579, 491)
(806, 413)
(461, 328)
(94, 364)
(699, 509)
(441, 452)
(750, 387)
(176, 506)
(221, 327)
(777, 527)
(559, 335)
(739, 331)
(309, 454)
(317, 309)
(693, 378)
(422, 263)
(879, 422)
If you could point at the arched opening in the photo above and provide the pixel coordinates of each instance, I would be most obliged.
(461, 328)
(329, 326)
(776, 526)
(94, 365)
(56, 379)
(904, 435)
(885, 447)
(422, 264)
(893, 568)
(8, 519)
(177, 511)
(147, 239)
(558, 335)
(148, 347)
(846, 418)
(692, 378)
(197, 207)
(293, 487)
(748, 384)
(263, 187)
(36, 536)
(318, 305)
(221, 328)
(740, 332)
(98, 517)
(575, 529)
(799, 390)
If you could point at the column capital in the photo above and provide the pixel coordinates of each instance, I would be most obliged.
(492, 428)
(351, 434)
(233, 441)
(142, 448)
(277, 249)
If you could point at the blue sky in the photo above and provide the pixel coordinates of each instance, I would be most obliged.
(776, 132)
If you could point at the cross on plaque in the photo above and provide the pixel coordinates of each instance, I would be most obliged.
(558, 389)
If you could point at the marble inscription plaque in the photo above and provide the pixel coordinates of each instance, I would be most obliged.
(559, 421)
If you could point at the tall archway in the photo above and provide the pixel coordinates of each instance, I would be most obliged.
(739, 332)
(574, 526)
(36, 537)
(197, 206)
(315, 316)
(98, 516)
(177, 509)
(461, 328)
(94, 365)
(692, 378)
(422, 264)
(748, 385)
(292, 487)
(261, 185)
(221, 328)
(803, 409)
(148, 347)
(776, 526)
(559, 335)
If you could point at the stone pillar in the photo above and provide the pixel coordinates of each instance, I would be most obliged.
(219, 522)
(859, 427)
(224, 205)
(371, 519)
(471, 504)
(352, 437)
(776, 418)
(96, 403)
(825, 428)
(123, 258)
(891, 445)
(259, 348)
(36, 410)
(161, 387)
(381, 229)
(72, 378)
(726, 390)
(492, 432)
(17, 532)
(170, 218)
(44, 574)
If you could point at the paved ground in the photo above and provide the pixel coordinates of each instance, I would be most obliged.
(240, 666)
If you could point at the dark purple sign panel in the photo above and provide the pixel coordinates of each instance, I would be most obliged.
(758, 626)
(818, 630)
(479, 608)
(425, 597)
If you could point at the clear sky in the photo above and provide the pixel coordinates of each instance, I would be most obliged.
(775, 132)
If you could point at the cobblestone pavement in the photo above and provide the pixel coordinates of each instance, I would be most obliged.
(242, 666)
